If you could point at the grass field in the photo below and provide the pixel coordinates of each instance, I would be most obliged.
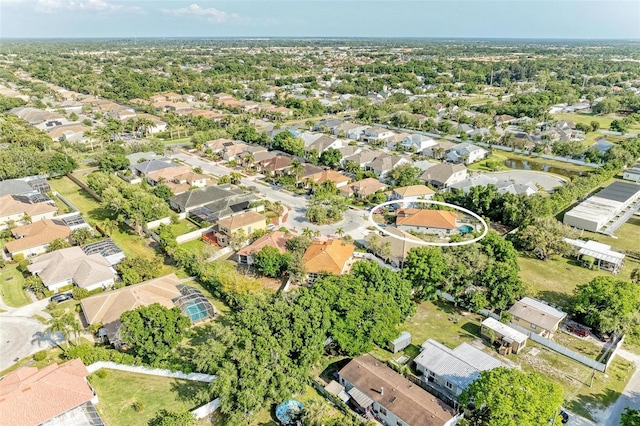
(11, 281)
(132, 245)
(119, 390)
(182, 227)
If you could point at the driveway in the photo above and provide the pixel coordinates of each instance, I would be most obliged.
(21, 337)
(630, 397)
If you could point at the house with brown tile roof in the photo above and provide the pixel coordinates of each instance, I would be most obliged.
(377, 390)
(217, 145)
(327, 257)
(167, 174)
(274, 166)
(329, 175)
(15, 207)
(30, 397)
(276, 239)
(248, 221)
(34, 239)
(412, 191)
(363, 188)
(438, 222)
(73, 266)
(399, 244)
(106, 308)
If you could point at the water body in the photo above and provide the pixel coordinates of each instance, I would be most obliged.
(540, 167)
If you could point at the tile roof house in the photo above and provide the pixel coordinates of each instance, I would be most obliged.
(276, 239)
(453, 369)
(34, 238)
(412, 191)
(327, 257)
(14, 187)
(466, 153)
(444, 175)
(417, 142)
(376, 134)
(153, 165)
(437, 222)
(323, 143)
(536, 316)
(248, 221)
(350, 130)
(220, 200)
(106, 308)
(166, 174)
(329, 175)
(274, 166)
(217, 145)
(384, 163)
(375, 390)
(363, 188)
(15, 207)
(73, 266)
(30, 397)
(363, 157)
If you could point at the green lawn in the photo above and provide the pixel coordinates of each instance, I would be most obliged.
(119, 390)
(132, 245)
(628, 236)
(11, 281)
(604, 121)
(182, 227)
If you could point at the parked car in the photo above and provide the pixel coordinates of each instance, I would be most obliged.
(61, 297)
(565, 416)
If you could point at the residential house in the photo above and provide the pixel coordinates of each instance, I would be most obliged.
(327, 257)
(186, 181)
(107, 249)
(240, 150)
(363, 188)
(347, 151)
(107, 308)
(34, 205)
(412, 192)
(167, 174)
(417, 142)
(14, 187)
(593, 253)
(328, 175)
(375, 390)
(363, 157)
(327, 125)
(247, 222)
(384, 163)
(157, 126)
(217, 198)
(349, 130)
(275, 166)
(153, 165)
(73, 266)
(398, 244)
(309, 170)
(452, 370)
(323, 143)
(34, 238)
(435, 222)
(276, 239)
(536, 316)
(444, 175)
(308, 138)
(503, 185)
(508, 337)
(376, 135)
(54, 395)
(72, 132)
(217, 145)
(466, 153)
(632, 174)
(503, 119)
(395, 139)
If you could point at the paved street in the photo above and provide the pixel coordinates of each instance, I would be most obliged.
(630, 396)
(354, 222)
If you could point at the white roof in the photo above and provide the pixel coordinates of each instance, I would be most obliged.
(595, 209)
(504, 330)
(597, 250)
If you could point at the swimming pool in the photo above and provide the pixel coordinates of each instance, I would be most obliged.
(196, 310)
(465, 229)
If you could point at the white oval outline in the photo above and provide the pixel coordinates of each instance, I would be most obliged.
(428, 243)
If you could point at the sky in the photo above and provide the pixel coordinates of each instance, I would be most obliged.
(554, 19)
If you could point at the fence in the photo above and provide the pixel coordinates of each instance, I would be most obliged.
(73, 208)
(164, 221)
(198, 377)
(206, 409)
(82, 185)
(448, 399)
(193, 235)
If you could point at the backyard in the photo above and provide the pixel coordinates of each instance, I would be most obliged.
(11, 281)
(119, 391)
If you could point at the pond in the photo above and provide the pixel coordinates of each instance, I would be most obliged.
(540, 167)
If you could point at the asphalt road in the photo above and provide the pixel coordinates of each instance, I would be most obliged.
(630, 396)
(354, 222)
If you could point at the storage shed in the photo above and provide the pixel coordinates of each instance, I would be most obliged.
(401, 342)
(494, 330)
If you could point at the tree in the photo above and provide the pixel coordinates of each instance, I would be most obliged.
(34, 285)
(425, 267)
(296, 268)
(64, 323)
(510, 397)
(313, 413)
(270, 262)
(224, 179)
(81, 235)
(113, 161)
(331, 157)
(238, 239)
(607, 304)
(405, 175)
(544, 236)
(635, 276)
(162, 191)
(619, 126)
(152, 331)
(108, 226)
(296, 169)
(594, 125)
(172, 418)
(630, 417)
(134, 270)
(235, 177)
(607, 106)
(58, 244)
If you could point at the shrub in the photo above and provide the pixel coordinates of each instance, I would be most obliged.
(80, 293)
(22, 265)
(102, 373)
(18, 257)
(90, 354)
(138, 406)
(40, 356)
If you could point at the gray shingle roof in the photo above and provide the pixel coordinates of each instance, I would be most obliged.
(14, 187)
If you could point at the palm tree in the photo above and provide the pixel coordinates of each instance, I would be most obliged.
(108, 226)
(313, 413)
(340, 232)
(63, 324)
(296, 169)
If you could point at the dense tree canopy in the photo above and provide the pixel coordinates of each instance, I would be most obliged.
(510, 397)
(606, 303)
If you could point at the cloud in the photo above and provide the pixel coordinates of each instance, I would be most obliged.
(211, 14)
(53, 6)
